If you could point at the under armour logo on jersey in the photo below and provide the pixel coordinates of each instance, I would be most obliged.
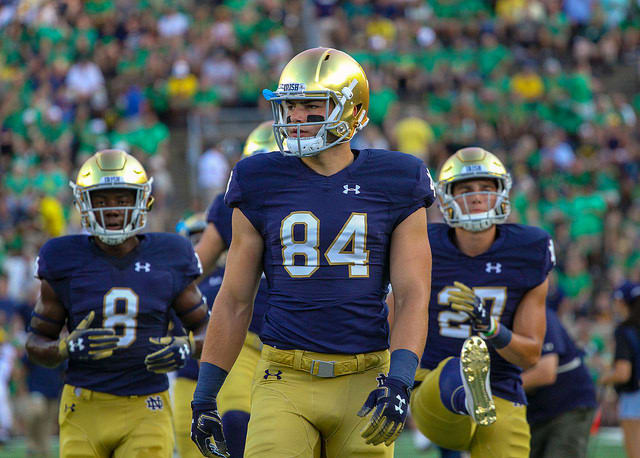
(495, 268)
(268, 374)
(140, 267)
(347, 189)
(380, 379)
(154, 403)
(401, 403)
(76, 345)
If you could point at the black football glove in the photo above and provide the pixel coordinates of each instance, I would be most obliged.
(205, 426)
(86, 343)
(391, 403)
(174, 354)
(465, 300)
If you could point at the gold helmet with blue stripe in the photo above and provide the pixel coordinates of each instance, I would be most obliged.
(112, 169)
(192, 227)
(260, 140)
(470, 164)
(320, 74)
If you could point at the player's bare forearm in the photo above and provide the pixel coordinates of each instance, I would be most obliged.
(226, 331)
(209, 248)
(198, 340)
(529, 327)
(544, 373)
(193, 312)
(48, 319)
(522, 351)
(411, 280)
(43, 350)
(233, 307)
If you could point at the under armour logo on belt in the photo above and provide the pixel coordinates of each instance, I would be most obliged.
(347, 189)
(71, 407)
(495, 268)
(401, 403)
(76, 345)
(154, 403)
(146, 267)
(268, 374)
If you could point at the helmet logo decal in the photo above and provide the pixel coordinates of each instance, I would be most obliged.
(111, 179)
(292, 87)
(475, 168)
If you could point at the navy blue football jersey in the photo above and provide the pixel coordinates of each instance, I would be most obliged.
(326, 244)
(132, 295)
(519, 259)
(221, 217)
(573, 387)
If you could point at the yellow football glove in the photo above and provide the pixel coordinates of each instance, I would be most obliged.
(465, 300)
(173, 355)
(86, 343)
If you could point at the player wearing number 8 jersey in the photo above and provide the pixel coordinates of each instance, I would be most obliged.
(113, 290)
(486, 314)
(330, 226)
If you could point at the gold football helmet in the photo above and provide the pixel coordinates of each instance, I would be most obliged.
(320, 74)
(192, 227)
(112, 169)
(468, 164)
(260, 140)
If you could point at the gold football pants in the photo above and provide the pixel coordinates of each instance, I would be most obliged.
(508, 437)
(101, 425)
(297, 414)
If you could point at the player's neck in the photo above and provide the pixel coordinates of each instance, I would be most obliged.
(474, 243)
(120, 250)
(330, 161)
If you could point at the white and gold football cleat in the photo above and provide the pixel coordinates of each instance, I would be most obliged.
(475, 365)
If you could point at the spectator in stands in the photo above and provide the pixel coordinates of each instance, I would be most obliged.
(625, 374)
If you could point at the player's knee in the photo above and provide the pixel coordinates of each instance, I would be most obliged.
(450, 384)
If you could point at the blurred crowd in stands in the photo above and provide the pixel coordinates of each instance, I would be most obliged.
(550, 86)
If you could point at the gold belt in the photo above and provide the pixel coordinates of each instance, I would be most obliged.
(321, 364)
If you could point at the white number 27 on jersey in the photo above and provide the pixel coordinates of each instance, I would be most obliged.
(456, 324)
(348, 248)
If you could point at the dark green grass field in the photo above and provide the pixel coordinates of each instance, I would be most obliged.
(607, 444)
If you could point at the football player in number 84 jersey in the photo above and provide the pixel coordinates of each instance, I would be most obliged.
(486, 314)
(330, 227)
(114, 290)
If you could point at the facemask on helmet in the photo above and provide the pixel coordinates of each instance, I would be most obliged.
(473, 164)
(112, 170)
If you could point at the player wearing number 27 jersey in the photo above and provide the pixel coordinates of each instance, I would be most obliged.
(331, 227)
(489, 283)
(114, 290)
